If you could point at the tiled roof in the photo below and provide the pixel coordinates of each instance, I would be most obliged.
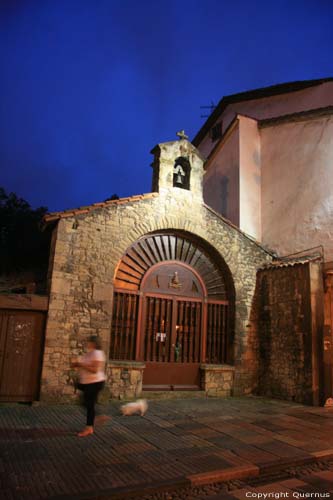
(282, 88)
(305, 259)
(103, 204)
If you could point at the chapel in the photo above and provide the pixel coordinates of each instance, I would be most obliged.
(181, 297)
(208, 283)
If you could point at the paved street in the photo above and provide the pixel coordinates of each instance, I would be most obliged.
(314, 480)
(179, 443)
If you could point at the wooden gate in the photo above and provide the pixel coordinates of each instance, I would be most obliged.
(171, 310)
(21, 346)
(171, 342)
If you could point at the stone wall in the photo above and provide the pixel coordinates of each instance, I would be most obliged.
(87, 250)
(124, 379)
(289, 332)
(217, 380)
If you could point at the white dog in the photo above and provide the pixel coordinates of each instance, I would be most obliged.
(139, 406)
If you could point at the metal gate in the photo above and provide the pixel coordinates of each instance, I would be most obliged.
(21, 347)
(172, 342)
(171, 310)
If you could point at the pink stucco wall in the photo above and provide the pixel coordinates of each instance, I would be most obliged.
(222, 179)
(297, 193)
(238, 162)
(249, 177)
(280, 174)
(311, 98)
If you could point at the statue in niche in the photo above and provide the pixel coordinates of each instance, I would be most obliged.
(181, 173)
(174, 281)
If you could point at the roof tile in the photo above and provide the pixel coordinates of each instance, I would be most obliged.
(51, 217)
(291, 262)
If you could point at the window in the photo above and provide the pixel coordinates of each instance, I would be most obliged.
(216, 131)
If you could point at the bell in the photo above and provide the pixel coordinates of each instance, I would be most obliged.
(179, 172)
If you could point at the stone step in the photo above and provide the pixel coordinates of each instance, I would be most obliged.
(173, 394)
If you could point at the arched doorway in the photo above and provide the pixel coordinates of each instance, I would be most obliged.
(172, 309)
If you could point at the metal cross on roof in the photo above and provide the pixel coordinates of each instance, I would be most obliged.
(181, 134)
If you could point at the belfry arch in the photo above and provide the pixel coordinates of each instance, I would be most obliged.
(173, 308)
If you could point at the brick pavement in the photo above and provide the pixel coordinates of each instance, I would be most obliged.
(188, 442)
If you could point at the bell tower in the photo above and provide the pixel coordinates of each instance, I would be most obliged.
(178, 167)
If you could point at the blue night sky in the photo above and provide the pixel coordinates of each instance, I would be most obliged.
(88, 87)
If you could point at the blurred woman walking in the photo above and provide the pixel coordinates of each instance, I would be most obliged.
(91, 380)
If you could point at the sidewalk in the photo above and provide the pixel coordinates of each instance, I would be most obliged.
(178, 442)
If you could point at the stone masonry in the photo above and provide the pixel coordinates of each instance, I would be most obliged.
(125, 379)
(290, 332)
(217, 380)
(89, 243)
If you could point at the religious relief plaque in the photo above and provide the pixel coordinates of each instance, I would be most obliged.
(174, 281)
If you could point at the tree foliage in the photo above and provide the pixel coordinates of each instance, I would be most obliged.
(23, 246)
(112, 197)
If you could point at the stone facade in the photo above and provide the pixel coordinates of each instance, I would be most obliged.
(89, 243)
(217, 380)
(124, 379)
(290, 326)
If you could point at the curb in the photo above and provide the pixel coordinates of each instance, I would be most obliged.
(223, 475)
(272, 467)
(242, 472)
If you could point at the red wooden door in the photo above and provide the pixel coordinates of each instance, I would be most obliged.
(171, 343)
(21, 344)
